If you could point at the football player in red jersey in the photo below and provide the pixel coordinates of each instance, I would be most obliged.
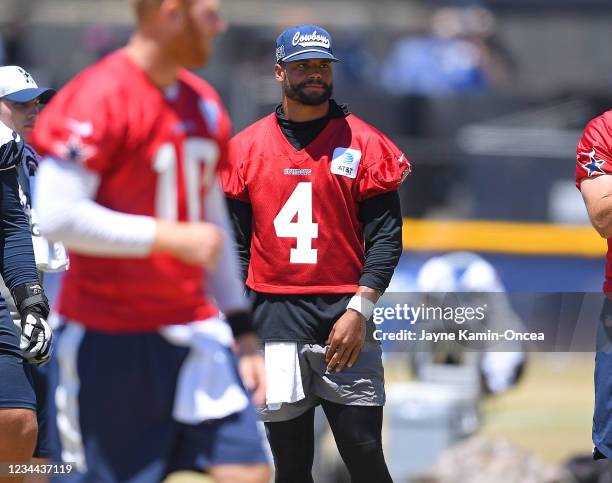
(313, 194)
(148, 383)
(593, 170)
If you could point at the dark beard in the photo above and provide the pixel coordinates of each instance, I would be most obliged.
(298, 93)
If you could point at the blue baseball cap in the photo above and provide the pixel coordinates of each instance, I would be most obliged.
(304, 42)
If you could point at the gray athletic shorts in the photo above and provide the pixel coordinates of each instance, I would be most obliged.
(360, 385)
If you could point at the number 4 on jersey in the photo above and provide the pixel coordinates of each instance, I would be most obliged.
(303, 230)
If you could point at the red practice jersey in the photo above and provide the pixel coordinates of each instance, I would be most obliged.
(307, 237)
(156, 152)
(594, 158)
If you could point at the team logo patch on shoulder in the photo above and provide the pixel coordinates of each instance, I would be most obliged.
(593, 165)
(74, 149)
(345, 162)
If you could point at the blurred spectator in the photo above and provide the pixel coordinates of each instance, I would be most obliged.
(458, 55)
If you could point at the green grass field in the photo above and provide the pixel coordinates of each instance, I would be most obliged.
(550, 411)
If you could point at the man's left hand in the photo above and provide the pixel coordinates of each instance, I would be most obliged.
(36, 338)
(345, 341)
(36, 335)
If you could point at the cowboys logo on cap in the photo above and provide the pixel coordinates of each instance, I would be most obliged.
(304, 42)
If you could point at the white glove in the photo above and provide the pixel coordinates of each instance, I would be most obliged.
(36, 335)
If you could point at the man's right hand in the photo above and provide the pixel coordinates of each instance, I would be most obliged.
(198, 244)
(252, 366)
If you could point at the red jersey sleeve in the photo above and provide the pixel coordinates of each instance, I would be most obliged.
(594, 151)
(384, 168)
(232, 172)
(84, 123)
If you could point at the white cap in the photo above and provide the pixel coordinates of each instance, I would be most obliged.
(19, 86)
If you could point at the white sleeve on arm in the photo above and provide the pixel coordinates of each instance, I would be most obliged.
(64, 202)
(224, 284)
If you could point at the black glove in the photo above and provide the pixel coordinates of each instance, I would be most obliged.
(36, 335)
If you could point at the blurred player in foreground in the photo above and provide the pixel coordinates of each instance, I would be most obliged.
(593, 169)
(18, 402)
(148, 383)
(319, 227)
(20, 103)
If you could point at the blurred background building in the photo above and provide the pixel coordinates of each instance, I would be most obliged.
(488, 100)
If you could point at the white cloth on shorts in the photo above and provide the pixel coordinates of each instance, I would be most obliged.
(208, 386)
(283, 374)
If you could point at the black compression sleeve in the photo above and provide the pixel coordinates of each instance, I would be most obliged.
(381, 218)
(241, 215)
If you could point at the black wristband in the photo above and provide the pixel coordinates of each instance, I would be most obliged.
(240, 322)
(30, 297)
